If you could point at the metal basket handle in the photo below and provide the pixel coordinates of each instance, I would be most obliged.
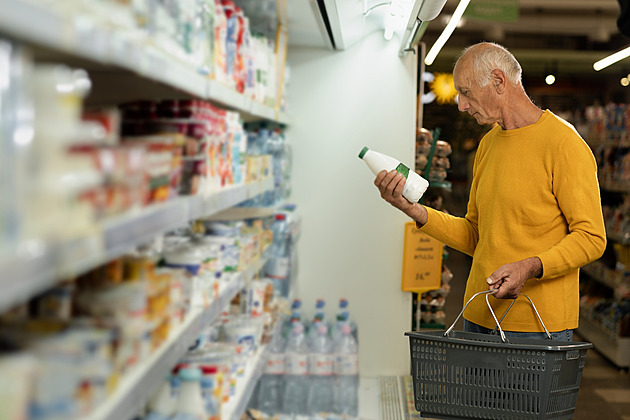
(498, 322)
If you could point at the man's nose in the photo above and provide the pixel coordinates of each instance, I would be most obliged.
(462, 104)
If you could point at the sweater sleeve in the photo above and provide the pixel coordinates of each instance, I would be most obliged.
(576, 189)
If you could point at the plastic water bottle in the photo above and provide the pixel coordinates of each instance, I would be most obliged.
(296, 377)
(271, 385)
(345, 314)
(162, 405)
(347, 374)
(318, 317)
(377, 162)
(190, 404)
(321, 362)
(278, 266)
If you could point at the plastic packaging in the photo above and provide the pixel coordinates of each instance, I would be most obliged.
(347, 374)
(297, 369)
(162, 405)
(190, 404)
(377, 162)
(271, 386)
(321, 361)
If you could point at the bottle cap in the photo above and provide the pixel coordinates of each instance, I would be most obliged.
(363, 152)
(320, 303)
(343, 303)
(190, 374)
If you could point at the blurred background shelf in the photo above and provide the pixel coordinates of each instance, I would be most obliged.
(615, 348)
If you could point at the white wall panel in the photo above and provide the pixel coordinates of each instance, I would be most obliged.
(351, 242)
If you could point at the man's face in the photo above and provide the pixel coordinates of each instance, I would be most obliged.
(480, 102)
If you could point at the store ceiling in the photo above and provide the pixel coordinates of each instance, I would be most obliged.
(569, 35)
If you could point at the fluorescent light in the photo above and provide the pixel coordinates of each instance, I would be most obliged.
(446, 34)
(611, 59)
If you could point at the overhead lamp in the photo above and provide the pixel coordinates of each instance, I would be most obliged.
(611, 59)
(422, 13)
(446, 34)
(550, 79)
(624, 81)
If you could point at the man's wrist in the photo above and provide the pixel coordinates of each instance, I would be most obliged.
(536, 270)
(419, 214)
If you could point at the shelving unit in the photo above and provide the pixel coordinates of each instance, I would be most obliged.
(606, 340)
(616, 349)
(127, 66)
(139, 385)
(80, 37)
(42, 264)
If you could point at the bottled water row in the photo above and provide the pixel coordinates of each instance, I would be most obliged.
(311, 371)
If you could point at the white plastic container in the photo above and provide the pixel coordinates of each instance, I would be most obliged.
(190, 404)
(377, 162)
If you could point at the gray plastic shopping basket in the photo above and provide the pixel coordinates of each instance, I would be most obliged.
(462, 375)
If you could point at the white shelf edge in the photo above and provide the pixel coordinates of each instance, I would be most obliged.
(245, 386)
(83, 37)
(616, 349)
(23, 275)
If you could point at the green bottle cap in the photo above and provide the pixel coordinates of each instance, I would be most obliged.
(363, 152)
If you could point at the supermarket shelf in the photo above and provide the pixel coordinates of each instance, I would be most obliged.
(241, 213)
(615, 186)
(619, 237)
(35, 267)
(86, 38)
(616, 349)
(136, 389)
(201, 207)
(33, 262)
(245, 386)
(441, 184)
(600, 273)
(235, 408)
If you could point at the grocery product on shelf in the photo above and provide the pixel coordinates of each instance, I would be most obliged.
(190, 404)
(162, 404)
(414, 187)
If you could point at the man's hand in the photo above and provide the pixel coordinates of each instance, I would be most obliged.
(391, 184)
(510, 278)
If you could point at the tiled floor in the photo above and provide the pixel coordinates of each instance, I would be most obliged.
(604, 391)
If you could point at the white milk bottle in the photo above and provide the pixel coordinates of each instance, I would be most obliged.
(377, 162)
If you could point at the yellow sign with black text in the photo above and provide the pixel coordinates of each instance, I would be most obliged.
(422, 261)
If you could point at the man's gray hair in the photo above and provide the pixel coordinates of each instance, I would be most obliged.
(487, 56)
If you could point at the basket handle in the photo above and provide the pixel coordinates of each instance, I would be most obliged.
(498, 322)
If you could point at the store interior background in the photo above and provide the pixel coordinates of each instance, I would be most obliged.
(361, 93)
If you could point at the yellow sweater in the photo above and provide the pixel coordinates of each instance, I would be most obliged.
(534, 192)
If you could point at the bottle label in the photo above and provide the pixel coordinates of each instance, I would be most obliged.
(296, 364)
(347, 364)
(275, 364)
(403, 169)
(278, 268)
(321, 364)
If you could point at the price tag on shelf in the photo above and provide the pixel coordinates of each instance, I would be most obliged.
(422, 261)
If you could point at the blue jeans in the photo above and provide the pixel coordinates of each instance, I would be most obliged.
(566, 335)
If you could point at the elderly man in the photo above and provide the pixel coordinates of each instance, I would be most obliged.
(534, 213)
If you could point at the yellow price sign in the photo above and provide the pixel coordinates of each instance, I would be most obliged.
(422, 261)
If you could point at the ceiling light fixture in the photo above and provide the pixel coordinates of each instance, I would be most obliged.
(446, 34)
(611, 59)
(550, 79)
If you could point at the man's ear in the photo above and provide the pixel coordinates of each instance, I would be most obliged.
(499, 80)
